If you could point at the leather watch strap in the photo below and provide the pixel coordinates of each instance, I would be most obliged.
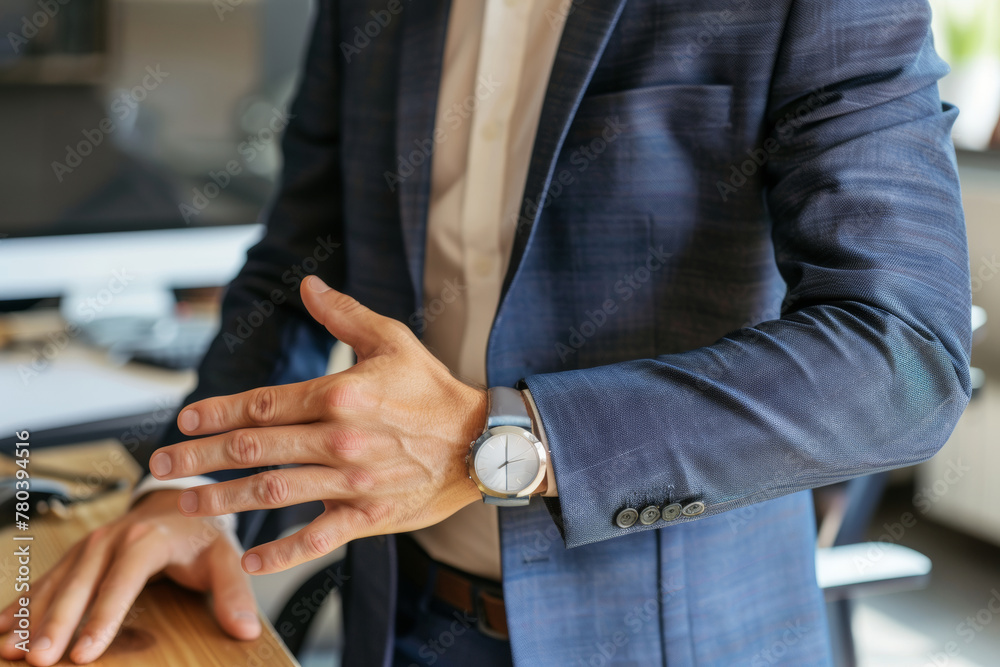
(507, 408)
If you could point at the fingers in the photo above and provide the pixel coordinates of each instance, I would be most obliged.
(40, 596)
(295, 403)
(363, 329)
(63, 612)
(243, 448)
(232, 597)
(330, 530)
(40, 588)
(270, 489)
(142, 554)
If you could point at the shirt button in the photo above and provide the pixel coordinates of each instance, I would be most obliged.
(693, 509)
(491, 130)
(671, 511)
(650, 515)
(627, 518)
(484, 265)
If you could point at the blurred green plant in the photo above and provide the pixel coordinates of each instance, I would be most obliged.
(967, 29)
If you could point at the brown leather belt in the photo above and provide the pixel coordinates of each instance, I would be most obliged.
(473, 595)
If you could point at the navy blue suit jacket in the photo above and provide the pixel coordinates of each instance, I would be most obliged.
(740, 272)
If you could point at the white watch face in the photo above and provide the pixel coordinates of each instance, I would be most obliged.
(507, 463)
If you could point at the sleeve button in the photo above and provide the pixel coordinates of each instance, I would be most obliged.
(671, 511)
(627, 518)
(650, 515)
(693, 509)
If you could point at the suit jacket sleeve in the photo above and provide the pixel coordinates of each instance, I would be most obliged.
(867, 367)
(266, 336)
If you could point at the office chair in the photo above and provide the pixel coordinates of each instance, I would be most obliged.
(847, 567)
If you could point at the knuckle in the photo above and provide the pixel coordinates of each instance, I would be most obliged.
(347, 443)
(346, 304)
(136, 532)
(317, 543)
(187, 458)
(341, 395)
(262, 408)
(399, 329)
(374, 515)
(273, 489)
(95, 538)
(279, 559)
(359, 480)
(244, 448)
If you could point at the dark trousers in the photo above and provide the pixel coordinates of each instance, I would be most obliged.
(431, 633)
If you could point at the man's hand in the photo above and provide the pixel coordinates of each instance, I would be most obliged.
(104, 573)
(382, 444)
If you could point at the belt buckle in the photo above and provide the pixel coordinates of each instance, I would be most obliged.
(482, 624)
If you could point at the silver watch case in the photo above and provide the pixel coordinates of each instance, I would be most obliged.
(470, 460)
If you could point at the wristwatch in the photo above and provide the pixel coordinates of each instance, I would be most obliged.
(507, 462)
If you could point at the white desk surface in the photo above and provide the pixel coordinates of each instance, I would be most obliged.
(79, 385)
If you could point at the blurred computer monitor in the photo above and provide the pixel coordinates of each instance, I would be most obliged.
(128, 117)
(141, 142)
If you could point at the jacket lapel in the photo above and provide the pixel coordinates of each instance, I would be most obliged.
(425, 23)
(584, 38)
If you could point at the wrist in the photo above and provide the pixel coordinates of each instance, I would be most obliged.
(476, 414)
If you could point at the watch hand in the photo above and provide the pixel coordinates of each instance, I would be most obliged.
(508, 462)
(506, 455)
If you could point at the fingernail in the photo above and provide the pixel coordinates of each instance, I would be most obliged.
(252, 563)
(84, 645)
(316, 284)
(160, 465)
(42, 643)
(189, 502)
(249, 618)
(189, 420)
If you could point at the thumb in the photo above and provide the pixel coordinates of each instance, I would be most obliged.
(345, 318)
(232, 597)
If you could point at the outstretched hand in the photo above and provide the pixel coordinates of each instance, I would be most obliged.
(381, 444)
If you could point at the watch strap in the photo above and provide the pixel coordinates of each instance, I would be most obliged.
(507, 408)
(506, 502)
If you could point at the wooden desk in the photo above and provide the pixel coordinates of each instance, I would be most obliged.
(168, 625)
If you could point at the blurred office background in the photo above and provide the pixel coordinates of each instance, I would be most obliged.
(140, 142)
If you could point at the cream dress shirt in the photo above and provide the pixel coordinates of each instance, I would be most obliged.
(497, 60)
